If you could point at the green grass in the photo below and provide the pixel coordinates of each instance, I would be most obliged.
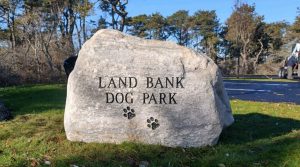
(264, 134)
(261, 79)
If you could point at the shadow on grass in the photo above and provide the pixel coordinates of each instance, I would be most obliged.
(254, 126)
(34, 99)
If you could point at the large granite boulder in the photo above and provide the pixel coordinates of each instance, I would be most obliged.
(125, 88)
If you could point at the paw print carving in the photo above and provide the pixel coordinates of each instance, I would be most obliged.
(152, 123)
(128, 113)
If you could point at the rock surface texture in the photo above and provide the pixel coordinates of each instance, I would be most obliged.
(125, 88)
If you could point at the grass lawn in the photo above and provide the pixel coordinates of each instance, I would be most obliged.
(264, 134)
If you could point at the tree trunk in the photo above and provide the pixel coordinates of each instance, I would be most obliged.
(113, 21)
(11, 33)
(84, 29)
(13, 29)
(257, 55)
(79, 33)
(37, 61)
(71, 21)
(244, 55)
(120, 12)
(122, 23)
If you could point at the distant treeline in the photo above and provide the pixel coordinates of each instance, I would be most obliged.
(37, 35)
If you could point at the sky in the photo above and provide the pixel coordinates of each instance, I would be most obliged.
(273, 10)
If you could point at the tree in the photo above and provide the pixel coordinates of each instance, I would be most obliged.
(296, 26)
(102, 24)
(259, 44)
(150, 27)
(83, 8)
(242, 25)
(180, 27)
(8, 16)
(137, 26)
(116, 9)
(157, 27)
(36, 36)
(276, 32)
(206, 25)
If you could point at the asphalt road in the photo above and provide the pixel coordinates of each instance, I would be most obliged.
(288, 92)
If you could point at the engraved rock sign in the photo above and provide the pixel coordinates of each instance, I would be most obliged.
(125, 88)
